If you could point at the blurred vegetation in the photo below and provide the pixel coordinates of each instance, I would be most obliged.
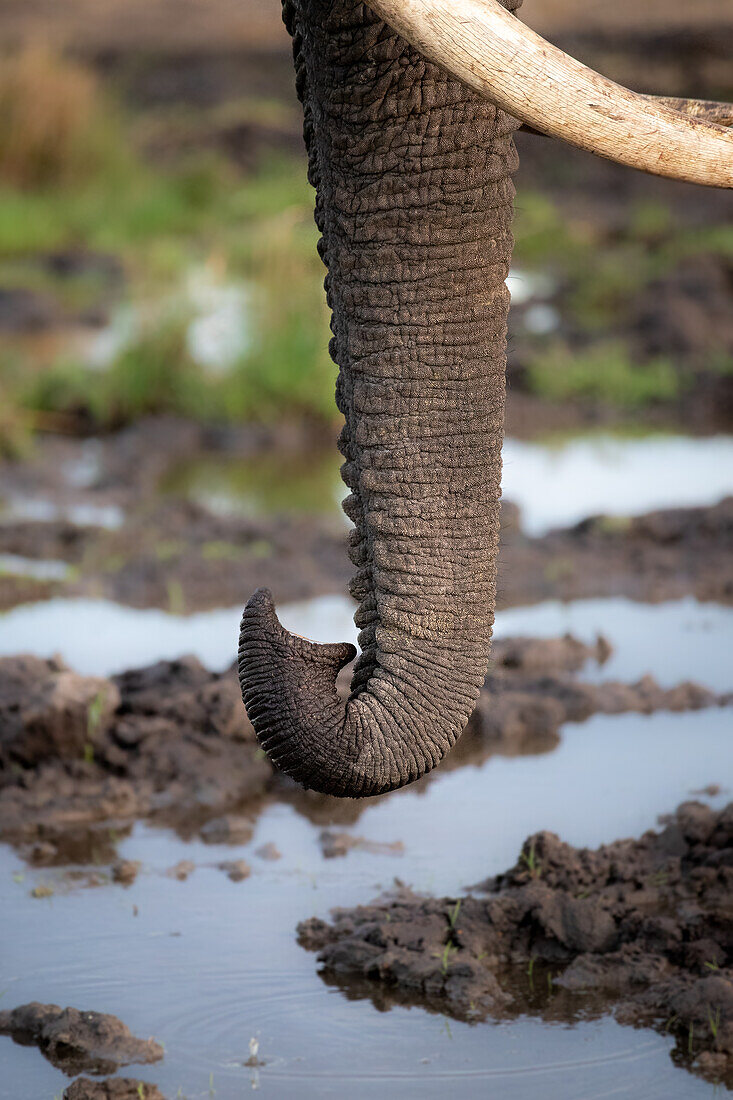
(51, 128)
(78, 175)
(599, 274)
(71, 179)
(604, 372)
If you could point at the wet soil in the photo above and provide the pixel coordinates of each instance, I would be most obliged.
(172, 743)
(137, 547)
(75, 1041)
(643, 926)
(129, 543)
(177, 556)
(656, 556)
(115, 1088)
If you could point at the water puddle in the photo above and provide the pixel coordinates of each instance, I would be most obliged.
(206, 964)
(37, 569)
(80, 514)
(270, 483)
(672, 641)
(556, 486)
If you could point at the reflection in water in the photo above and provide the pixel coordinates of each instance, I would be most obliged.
(37, 569)
(206, 964)
(275, 482)
(558, 486)
(673, 641)
(554, 485)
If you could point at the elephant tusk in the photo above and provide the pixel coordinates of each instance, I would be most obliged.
(707, 109)
(491, 51)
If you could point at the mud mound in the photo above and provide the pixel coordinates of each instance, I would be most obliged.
(75, 1041)
(661, 555)
(48, 712)
(176, 743)
(115, 1088)
(643, 926)
(172, 742)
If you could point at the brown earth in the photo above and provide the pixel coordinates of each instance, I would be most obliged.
(643, 927)
(661, 555)
(178, 556)
(172, 743)
(114, 1088)
(209, 25)
(77, 1042)
(175, 554)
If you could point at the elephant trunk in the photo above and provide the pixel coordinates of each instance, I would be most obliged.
(414, 203)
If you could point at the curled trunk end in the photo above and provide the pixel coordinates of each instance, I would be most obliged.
(414, 202)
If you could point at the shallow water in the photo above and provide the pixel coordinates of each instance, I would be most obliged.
(80, 514)
(206, 964)
(674, 641)
(269, 483)
(38, 568)
(555, 485)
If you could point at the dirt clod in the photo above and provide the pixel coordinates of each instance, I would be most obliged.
(125, 871)
(49, 712)
(236, 869)
(335, 844)
(114, 1088)
(181, 870)
(643, 927)
(269, 852)
(77, 1042)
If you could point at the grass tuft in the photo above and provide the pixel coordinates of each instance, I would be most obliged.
(605, 373)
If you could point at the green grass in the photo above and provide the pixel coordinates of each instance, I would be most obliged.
(83, 186)
(531, 862)
(259, 229)
(605, 373)
(72, 176)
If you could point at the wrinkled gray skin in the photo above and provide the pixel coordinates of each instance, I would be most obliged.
(414, 202)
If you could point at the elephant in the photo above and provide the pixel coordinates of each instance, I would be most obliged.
(408, 124)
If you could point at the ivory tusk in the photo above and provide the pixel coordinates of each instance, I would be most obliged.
(706, 109)
(489, 49)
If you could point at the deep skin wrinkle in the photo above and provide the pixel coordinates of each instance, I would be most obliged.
(414, 201)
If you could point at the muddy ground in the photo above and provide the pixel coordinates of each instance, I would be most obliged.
(82, 755)
(174, 553)
(641, 926)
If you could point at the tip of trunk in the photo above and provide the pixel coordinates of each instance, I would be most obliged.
(289, 689)
(374, 743)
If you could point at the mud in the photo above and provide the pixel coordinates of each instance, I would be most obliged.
(172, 743)
(75, 1041)
(166, 552)
(115, 1088)
(177, 743)
(175, 554)
(642, 926)
(657, 556)
(335, 845)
